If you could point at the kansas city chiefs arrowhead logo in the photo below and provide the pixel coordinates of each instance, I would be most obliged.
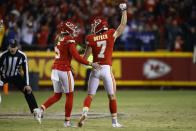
(155, 69)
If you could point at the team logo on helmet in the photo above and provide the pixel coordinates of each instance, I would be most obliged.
(97, 21)
(69, 27)
(99, 24)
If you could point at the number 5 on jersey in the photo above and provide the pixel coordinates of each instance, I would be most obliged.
(57, 51)
(101, 44)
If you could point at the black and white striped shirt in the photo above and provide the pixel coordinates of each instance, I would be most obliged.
(10, 64)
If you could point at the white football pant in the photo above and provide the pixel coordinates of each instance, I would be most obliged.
(106, 75)
(63, 81)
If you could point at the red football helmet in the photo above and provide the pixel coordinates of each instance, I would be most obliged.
(99, 24)
(69, 27)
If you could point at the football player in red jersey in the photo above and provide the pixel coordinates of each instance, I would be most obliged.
(101, 45)
(61, 76)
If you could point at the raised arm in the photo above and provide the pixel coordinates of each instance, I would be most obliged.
(123, 23)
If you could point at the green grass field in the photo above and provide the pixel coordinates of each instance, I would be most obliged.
(139, 111)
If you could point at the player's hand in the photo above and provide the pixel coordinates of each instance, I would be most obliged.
(96, 66)
(28, 89)
(123, 6)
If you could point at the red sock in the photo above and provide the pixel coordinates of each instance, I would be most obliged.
(51, 100)
(113, 107)
(68, 105)
(87, 102)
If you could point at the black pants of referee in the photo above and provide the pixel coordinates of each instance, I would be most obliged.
(19, 82)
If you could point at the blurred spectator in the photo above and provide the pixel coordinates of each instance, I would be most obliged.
(132, 40)
(191, 39)
(168, 18)
(27, 36)
(150, 5)
(173, 30)
(147, 39)
(178, 43)
(42, 37)
(2, 30)
(13, 32)
(131, 9)
(157, 41)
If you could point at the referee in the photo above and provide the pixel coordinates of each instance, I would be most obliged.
(11, 62)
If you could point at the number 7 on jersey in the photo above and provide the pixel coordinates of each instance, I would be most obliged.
(101, 44)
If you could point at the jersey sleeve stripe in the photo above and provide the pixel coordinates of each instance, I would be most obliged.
(3, 53)
(70, 41)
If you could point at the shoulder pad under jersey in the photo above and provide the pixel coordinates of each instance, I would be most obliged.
(69, 39)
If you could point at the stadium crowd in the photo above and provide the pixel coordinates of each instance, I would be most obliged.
(152, 24)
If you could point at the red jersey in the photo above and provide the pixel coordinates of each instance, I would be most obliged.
(64, 50)
(102, 46)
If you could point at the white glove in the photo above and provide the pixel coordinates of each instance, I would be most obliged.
(123, 6)
(1, 83)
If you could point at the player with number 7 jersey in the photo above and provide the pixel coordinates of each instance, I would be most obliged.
(100, 44)
(61, 76)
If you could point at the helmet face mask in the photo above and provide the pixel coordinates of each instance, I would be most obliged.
(98, 25)
(70, 28)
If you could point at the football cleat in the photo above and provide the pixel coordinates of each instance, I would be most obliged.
(116, 125)
(82, 119)
(38, 114)
(68, 124)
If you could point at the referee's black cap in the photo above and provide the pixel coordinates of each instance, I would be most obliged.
(13, 43)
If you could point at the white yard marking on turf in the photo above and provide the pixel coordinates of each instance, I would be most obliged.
(60, 115)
